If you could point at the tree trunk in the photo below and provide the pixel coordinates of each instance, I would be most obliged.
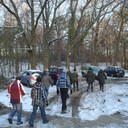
(59, 53)
(124, 56)
(46, 56)
(95, 44)
(33, 58)
(117, 49)
(68, 61)
(17, 63)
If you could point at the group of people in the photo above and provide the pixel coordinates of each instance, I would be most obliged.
(90, 78)
(39, 95)
(40, 90)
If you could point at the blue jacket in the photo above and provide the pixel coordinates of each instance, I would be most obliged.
(63, 81)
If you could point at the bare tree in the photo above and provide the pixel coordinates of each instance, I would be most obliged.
(83, 18)
(49, 18)
(34, 19)
(120, 22)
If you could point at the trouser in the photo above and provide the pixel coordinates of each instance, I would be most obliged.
(102, 87)
(90, 85)
(75, 86)
(64, 96)
(16, 108)
(46, 90)
(33, 114)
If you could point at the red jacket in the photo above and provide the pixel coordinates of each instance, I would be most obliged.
(16, 92)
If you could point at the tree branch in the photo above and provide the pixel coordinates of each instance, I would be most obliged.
(42, 9)
(56, 39)
(13, 13)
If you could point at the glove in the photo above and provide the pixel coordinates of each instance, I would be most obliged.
(47, 103)
(70, 91)
(67, 95)
(57, 91)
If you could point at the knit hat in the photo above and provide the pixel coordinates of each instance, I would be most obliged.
(74, 69)
(18, 78)
(38, 79)
(90, 68)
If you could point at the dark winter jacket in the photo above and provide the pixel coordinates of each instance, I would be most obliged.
(63, 81)
(90, 77)
(16, 92)
(38, 92)
(70, 76)
(101, 77)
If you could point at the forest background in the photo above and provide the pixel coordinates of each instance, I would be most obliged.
(54, 31)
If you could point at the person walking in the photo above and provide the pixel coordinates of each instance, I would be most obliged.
(101, 78)
(39, 99)
(90, 78)
(75, 80)
(16, 91)
(70, 76)
(63, 85)
(47, 81)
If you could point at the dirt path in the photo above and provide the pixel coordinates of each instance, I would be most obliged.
(76, 97)
(74, 101)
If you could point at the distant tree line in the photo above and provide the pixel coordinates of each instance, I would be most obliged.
(58, 31)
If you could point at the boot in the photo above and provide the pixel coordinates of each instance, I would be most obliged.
(77, 88)
(102, 88)
(92, 89)
(10, 120)
(74, 88)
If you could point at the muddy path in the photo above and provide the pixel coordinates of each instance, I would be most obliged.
(76, 97)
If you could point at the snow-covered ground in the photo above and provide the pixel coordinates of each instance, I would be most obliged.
(92, 105)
